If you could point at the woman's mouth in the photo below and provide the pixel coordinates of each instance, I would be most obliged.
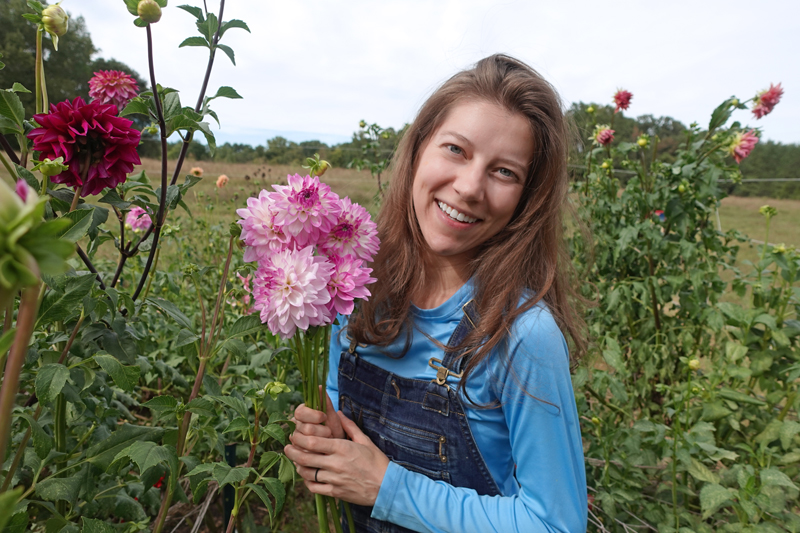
(455, 214)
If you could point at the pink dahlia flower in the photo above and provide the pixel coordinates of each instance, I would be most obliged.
(742, 145)
(259, 231)
(87, 134)
(348, 282)
(354, 234)
(138, 219)
(113, 87)
(305, 208)
(222, 181)
(291, 291)
(197, 172)
(766, 100)
(23, 190)
(622, 99)
(603, 135)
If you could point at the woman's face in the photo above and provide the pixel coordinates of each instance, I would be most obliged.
(470, 177)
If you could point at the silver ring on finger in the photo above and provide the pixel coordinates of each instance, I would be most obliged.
(315, 476)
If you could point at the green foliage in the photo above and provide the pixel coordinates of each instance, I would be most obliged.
(693, 397)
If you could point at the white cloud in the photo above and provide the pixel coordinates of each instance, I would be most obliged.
(321, 66)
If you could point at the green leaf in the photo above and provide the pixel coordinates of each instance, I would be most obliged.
(613, 356)
(172, 310)
(232, 476)
(194, 41)
(112, 198)
(102, 454)
(276, 432)
(774, 477)
(235, 23)
(49, 381)
(137, 105)
(172, 106)
(28, 176)
(228, 52)
(700, 472)
(226, 92)
(196, 11)
(720, 115)
(58, 306)
(80, 220)
(92, 525)
(11, 108)
(132, 6)
(278, 491)
(244, 326)
(125, 377)
(8, 500)
(209, 27)
(42, 442)
(234, 403)
(185, 337)
(62, 488)
(6, 340)
(238, 424)
(261, 493)
(161, 403)
(789, 429)
(286, 470)
(713, 411)
(201, 406)
(148, 454)
(736, 396)
(19, 88)
(712, 497)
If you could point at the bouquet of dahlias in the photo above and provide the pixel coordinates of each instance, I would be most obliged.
(311, 248)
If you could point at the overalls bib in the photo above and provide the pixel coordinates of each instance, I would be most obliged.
(420, 425)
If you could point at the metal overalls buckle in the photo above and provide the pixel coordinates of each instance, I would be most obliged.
(442, 372)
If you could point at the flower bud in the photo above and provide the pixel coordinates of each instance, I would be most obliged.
(149, 11)
(385, 135)
(590, 109)
(735, 102)
(362, 124)
(681, 188)
(56, 22)
(642, 141)
(779, 249)
(694, 364)
(596, 421)
(605, 165)
(322, 168)
(51, 167)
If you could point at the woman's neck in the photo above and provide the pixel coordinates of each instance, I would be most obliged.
(443, 278)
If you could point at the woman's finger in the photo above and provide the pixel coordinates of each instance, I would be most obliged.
(309, 416)
(353, 431)
(333, 421)
(314, 444)
(303, 458)
(315, 430)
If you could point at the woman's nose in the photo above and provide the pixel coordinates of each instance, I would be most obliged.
(469, 183)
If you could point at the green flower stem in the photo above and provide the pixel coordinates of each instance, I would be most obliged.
(9, 151)
(766, 241)
(60, 434)
(26, 318)
(350, 525)
(38, 70)
(322, 513)
(603, 401)
(337, 519)
(788, 405)
(11, 171)
(20, 452)
(203, 319)
(239, 498)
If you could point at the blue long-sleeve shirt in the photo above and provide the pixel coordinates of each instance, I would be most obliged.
(538, 431)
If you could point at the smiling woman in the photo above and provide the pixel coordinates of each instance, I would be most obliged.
(453, 381)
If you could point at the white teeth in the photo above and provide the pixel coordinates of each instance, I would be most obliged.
(455, 215)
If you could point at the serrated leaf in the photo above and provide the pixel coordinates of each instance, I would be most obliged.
(132, 6)
(234, 23)
(185, 337)
(237, 424)
(80, 220)
(161, 403)
(701, 472)
(245, 325)
(201, 406)
(172, 106)
(63, 488)
(228, 52)
(234, 403)
(19, 88)
(262, 494)
(49, 381)
(194, 41)
(58, 306)
(42, 442)
(209, 27)
(102, 454)
(613, 356)
(92, 525)
(196, 11)
(712, 497)
(137, 105)
(278, 491)
(276, 432)
(8, 500)
(774, 477)
(226, 92)
(28, 176)
(112, 198)
(146, 455)
(285, 470)
(125, 377)
(789, 429)
(12, 109)
(172, 310)
(233, 476)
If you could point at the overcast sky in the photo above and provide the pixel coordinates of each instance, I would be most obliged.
(311, 69)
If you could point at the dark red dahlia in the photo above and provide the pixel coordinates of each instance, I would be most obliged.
(98, 146)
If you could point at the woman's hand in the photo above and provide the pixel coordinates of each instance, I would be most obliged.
(310, 421)
(351, 470)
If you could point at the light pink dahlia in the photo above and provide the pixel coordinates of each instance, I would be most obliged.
(305, 208)
(113, 87)
(138, 219)
(742, 145)
(354, 234)
(603, 135)
(348, 282)
(291, 291)
(622, 99)
(259, 231)
(222, 181)
(766, 100)
(87, 134)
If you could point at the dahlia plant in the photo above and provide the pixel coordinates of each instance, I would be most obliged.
(310, 248)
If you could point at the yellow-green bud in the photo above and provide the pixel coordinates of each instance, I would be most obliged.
(385, 134)
(56, 22)
(735, 102)
(596, 421)
(694, 364)
(149, 11)
(605, 165)
(590, 109)
(779, 249)
(681, 188)
(362, 124)
(322, 168)
(643, 140)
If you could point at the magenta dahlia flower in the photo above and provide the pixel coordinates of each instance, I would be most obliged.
(138, 219)
(766, 100)
(259, 231)
(622, 99)
(742, 145)
(354, 234)
(291, 291)
(98, 146)
(305, 208)
(603, 135)
(113, 87)
(348, 282)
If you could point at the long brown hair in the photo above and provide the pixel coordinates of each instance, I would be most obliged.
(526, 261)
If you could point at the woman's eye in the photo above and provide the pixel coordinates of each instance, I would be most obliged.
(455, 149)
(507, 173)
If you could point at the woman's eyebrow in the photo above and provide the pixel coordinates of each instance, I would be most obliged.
(458, 136)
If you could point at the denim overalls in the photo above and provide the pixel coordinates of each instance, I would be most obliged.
(420, 425)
